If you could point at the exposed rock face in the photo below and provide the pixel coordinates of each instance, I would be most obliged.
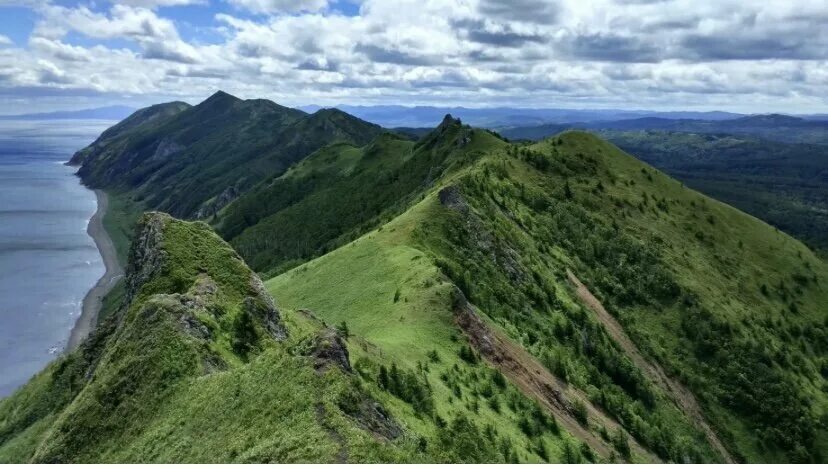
(451, 198)
(165, 148)
(371, 416)
(327, 349)
(502, 254)
(448, 122)
(146, 256)
(261, 306)
(212, 207)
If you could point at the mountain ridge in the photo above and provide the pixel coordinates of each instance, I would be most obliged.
(223, 145)
(446, 264)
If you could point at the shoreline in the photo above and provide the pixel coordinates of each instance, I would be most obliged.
(93, 300)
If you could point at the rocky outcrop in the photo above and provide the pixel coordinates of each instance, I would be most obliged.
(451, 198)
(146, 255)
(328, 349)
(371, 416)
(261, 306)
(506, 258)
(149, 259)
(213, 206)
(165, 148)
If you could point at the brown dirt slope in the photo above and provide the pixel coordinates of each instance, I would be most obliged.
(534, 380)
(677, 392)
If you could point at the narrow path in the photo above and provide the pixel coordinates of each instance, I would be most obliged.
(535, 381)
(321, 418)
(93, 300)
(682, 396)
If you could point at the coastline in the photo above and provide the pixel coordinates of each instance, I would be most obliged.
(93, 300)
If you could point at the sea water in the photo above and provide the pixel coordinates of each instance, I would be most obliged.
(47, 260)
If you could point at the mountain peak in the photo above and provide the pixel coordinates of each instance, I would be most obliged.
(221, 96)
(450, 120)
(330, 112)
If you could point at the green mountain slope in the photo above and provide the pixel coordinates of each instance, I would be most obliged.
(723, 322)
(195, 366)
(491, 302)
(146, 116)
(341, 191)
(193, 162)
(785, 184)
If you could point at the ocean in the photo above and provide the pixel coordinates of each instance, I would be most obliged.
(47, 260)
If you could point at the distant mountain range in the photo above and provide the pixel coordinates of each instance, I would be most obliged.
(776, 127)
(428, 116)
(103, 113)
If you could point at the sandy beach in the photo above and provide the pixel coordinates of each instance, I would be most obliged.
(93, 300)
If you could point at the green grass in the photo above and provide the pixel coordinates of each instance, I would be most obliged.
(683, 273)
(397, 305)
(341, 192)
(119, 222)
(163, 391)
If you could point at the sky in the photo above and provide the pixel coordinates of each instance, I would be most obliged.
(736, 55)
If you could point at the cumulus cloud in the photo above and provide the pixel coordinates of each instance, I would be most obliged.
(58, 50)
(157, 36)
(676, 53)
(159, 3)
(280, 6)
(532, 11)
(5, 41)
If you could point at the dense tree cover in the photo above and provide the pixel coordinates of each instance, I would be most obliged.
(520, 227)
(785, 184)
(341, 192)
(752, 383)
(484, 261)
(408, 386)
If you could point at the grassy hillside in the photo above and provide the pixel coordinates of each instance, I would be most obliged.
(726, 313)
(452, 299)
(781, 182)
(397, 306)
(683, 274)
(785, 184)
(185, 371)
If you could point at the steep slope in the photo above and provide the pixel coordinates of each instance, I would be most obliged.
(683, 274)
(156, 113)
(196, 366)
(726, 316)
(341, 191)
(398, 307)
(784, 184)
(194, 162)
